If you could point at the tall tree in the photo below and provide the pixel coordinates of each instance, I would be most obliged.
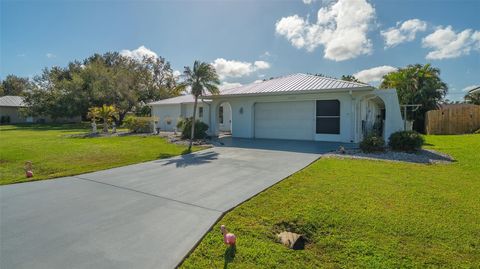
(13, 85)
(111, 79)
(201, 79)
(417, 84)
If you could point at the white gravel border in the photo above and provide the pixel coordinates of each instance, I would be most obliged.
(424, 156)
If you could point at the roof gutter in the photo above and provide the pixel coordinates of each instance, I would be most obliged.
(367, 88)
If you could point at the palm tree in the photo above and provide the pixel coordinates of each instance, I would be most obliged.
(93, 114)
(107, 113)
(417, 84)
(201, 79)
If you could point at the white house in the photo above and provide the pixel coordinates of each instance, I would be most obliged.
(298, 106)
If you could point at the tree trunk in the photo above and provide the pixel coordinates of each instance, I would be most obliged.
(121, 116)
(105, 125)
(192, 134)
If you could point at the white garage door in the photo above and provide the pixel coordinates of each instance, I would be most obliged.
(285, 120)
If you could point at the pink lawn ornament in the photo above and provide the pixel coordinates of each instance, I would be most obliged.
(228, 238)
(28, 169)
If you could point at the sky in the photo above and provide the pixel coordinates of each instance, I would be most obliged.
(250, 40)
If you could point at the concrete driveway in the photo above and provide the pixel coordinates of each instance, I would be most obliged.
(146, 215)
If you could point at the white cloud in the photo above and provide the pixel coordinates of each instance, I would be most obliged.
(259, 65)
(341, 28)
(403, 32)
(50, 55)
(139, 53)
(266, 54)
(307, 1)
(374, 74)
(229, 85)
(231, 68)
(226, 68)
(176, 74)
(258, 81)
(446, 43)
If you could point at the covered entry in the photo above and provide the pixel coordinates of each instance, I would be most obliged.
(285, 120)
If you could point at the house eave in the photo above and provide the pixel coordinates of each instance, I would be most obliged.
(320, 91)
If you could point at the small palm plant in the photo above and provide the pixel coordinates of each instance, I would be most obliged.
(201, 79)
(93, 115)
(107, 113)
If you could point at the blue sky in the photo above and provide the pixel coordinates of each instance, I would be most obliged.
(251, 40)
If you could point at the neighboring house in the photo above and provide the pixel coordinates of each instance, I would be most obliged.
(10, 112)
(474, 90)
(299, 107)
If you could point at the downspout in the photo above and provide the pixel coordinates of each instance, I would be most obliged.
(353, 115)
(209, 114)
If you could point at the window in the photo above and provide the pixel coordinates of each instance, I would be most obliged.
(220, 114)
(200, 112)
(328, 117)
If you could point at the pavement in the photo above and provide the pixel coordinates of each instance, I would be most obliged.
(147, 215)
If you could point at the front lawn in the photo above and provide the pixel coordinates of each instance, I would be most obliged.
(360, 213)
(55, 153)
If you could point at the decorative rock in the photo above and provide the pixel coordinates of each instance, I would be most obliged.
(292, 240)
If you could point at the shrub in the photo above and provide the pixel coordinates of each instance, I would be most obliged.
(372, 143)
(144, 111)
(185, 126)
(138, 124)
(5, 119)
(406, 141)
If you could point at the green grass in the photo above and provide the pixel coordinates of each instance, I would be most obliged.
(361, 214)
(55, 153)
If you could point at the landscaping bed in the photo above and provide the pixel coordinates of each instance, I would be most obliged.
(425, 156)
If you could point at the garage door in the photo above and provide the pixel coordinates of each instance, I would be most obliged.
(285, 120)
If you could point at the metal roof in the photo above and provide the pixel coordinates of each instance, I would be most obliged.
(12, 101)
(296, 83)
(183, 99)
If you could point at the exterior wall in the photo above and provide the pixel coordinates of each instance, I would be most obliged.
(393, 116)
(13, 113)
(393, 119)
(166, 113)
(187, 111)
(353, 109)
(243, 109)
(174, 112)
